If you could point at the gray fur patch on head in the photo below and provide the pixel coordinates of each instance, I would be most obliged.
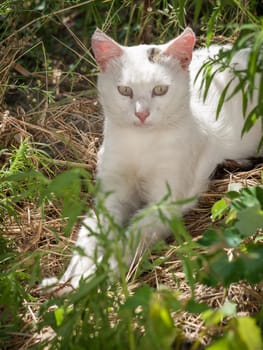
(154, 55)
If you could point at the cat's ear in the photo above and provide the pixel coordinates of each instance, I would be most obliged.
(181, 48)
(105, 49)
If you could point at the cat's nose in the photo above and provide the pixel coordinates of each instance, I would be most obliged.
(142, 115)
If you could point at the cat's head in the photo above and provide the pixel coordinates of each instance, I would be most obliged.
(143, 85)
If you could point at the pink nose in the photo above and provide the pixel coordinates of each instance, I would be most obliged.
(142, 115)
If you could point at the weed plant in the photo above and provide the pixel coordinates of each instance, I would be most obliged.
(40, 35)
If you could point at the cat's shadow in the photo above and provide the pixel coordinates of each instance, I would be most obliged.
(230, 166)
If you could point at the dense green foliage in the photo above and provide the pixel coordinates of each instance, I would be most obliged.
(40, 34)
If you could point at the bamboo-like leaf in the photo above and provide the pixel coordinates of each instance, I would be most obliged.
(211, 24)
(198, 7)
(208, 80)
(244, 102)
(250, 121)
(222, 98)
(260, 145)
(260, 96)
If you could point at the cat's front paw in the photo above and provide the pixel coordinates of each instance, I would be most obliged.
(146, 231)
(53, 286)
(48, 283)
(79, 267)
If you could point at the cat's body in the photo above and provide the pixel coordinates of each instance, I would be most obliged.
(159, 132)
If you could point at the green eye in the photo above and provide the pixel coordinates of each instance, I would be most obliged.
(125, 91)
(159, 90)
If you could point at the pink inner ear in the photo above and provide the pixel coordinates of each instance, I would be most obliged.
(105, 49)
(181, 48)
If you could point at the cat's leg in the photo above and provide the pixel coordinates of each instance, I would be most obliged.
(82, 262)
(118, 205)
(120, 197)
(152, 223)
(149, 226)
(166, 203)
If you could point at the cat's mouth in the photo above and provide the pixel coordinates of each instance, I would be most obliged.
(139, 124)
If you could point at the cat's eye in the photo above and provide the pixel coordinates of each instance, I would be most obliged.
(125, 91)
(159, 90)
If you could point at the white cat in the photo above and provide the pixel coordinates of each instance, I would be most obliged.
(158, 132)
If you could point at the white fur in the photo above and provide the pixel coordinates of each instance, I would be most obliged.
(180, 143)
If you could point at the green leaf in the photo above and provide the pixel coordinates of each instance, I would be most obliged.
(212, 317)
(243, 334)
(250, 121)
(233, 194)
(260, 145)
(247, 198)
(222, 98)
(223, 270)
(259, 195)
(219, 209)
(140, 298)
(232, 237)
(196, 307)
(209, 238)
(249, 220)
(222, 344)
(88, 286)
(252, 263)
(244, 102)
(250, 333)
(67, 187)
(59, 316)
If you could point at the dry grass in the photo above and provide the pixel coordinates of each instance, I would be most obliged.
(73, 133)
